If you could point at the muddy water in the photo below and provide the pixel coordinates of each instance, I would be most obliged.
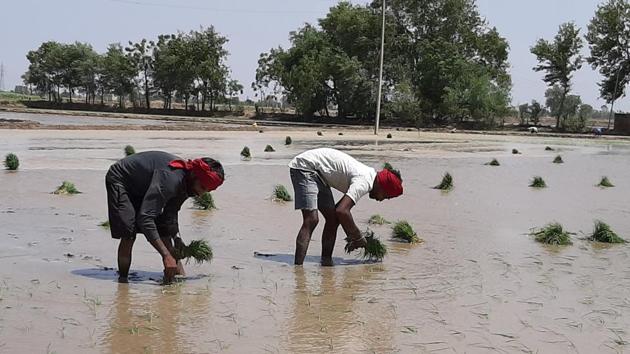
(477, 284)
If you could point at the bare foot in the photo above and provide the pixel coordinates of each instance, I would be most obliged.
(327, 262)
(123, 280)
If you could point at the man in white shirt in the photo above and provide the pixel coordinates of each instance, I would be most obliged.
(313, 173)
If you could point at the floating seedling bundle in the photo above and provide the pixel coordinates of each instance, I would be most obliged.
(66, 188)
(288, 140)
(389, 136)
(320, 133)
(404, 232)
(11, 162)
(377, 220)
(549, 148)
(246, 154)
(558, 159)
(199, 250)
(515, 152)
(104, 224)
(605, 183)
(538, 182)
(280, 193)
(129, 150)
(446, 184)
(552, 234)
(374, 251)
(603, 233)
(269, 148)
(494, 162)
(204, 201)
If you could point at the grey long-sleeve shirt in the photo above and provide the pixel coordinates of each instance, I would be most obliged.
(156, 191)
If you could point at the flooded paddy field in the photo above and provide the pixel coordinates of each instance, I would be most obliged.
(477, 284)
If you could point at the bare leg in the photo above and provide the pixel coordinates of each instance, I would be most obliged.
(309, 223)
(329, 236)
(124, 258)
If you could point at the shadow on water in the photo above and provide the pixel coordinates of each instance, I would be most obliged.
(288, 259)
(139, 276)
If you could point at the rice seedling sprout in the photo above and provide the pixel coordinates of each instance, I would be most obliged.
(603, 233)
(280, 193)
(11, 162)
(374, 251)
(446, 184)
(552, 234)
(66, 188)
(605, 183)
(269, 148)
(538, 182)
(204, 201)
(403, 231)
(246, 154)
(129, 150)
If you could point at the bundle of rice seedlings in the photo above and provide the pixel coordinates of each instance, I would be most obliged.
(377, 219)
(199, 250)
(446, 184)
(605, 183)
(515, 152)
(66, 188)
(281, 193)
(403, 231)
(603, 233)
(558, 159)
(549, 148)
(288, 140)
(11, 162)
(389, 136)
(269, 148)
(104, 224)
(374, 251)
(552, 234)
(245, 153)
(261, 131)
(538, 182)
(340, 133)
(494, 162)
(204, 201)
(320, 133)
(129, 150)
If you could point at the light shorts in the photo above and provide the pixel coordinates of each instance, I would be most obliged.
(311, 193)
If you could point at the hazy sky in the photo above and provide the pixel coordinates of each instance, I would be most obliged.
(255, 26)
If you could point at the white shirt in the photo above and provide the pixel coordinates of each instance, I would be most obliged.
(338, 170)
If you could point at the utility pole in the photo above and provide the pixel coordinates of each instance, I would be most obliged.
(1, 76)
(380, 74)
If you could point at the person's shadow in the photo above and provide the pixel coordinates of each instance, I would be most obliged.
(289, 259)
(138, 276)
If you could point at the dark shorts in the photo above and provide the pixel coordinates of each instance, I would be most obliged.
(311, 193)
(121, 211)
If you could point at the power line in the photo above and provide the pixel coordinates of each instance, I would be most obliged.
(203, 8)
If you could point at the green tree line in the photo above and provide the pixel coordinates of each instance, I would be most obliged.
(182, 65)
(444, 64)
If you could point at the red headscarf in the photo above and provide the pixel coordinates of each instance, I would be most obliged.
(209, 179)
(391, 184)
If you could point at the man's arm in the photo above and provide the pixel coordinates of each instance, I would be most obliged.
(345, 218)
(152, 205)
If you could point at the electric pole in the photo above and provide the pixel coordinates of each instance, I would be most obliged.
(380, 74)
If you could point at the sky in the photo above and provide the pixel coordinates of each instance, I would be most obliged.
(255, 26)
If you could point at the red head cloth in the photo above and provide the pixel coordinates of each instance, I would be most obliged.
(209, 179)
(390, 183)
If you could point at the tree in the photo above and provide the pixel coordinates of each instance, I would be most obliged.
(536, 110)
(523, 113)
(118, 72)
(208, 56)
(609, 40)
(560, 59)
(234, 88)
(142, 57)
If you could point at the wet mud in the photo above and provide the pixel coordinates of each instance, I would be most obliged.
(478, 283)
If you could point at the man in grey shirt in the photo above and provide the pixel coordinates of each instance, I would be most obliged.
(145, 191)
